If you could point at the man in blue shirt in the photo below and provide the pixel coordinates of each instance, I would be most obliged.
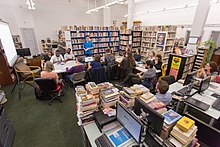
(88, 45)
(163, 95)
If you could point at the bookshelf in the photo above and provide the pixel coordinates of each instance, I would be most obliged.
(101, 39)
(180, 65)
(125, 40)
(47, 44)
(200, 58)
(17, 41)
(136, 40)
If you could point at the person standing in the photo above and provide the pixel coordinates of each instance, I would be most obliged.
(88, 46)
(62, 46)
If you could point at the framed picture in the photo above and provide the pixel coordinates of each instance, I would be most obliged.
(161, 40)
(193, 40)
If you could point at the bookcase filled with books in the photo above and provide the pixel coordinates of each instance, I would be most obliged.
(48, 44)
(200, 58)
(136, 40)
(125, 40)
(102, 37)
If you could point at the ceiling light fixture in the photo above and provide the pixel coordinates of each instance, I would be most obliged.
(107, 5)
(30, 4)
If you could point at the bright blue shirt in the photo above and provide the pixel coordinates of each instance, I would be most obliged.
(88, 44)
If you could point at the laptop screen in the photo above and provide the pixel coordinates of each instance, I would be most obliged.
(129, 122)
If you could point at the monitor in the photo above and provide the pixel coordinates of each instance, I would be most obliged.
(7, 43)
(204, 84)
(23, 52)
(130, 122)
(155, 120)
(189, 78)
(89, 59)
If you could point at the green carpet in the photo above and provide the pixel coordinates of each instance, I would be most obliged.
(39, 125)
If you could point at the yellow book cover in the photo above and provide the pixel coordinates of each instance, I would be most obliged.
(185, 123)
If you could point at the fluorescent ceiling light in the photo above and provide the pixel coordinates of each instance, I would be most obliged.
(30, 4)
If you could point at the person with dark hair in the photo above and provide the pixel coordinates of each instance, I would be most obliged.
(96, 63)
(158, 62)
(62, 45)
(137, 78)
(211, 69)
(128, 63)
(162, 87)
(109, 57)
(57, 57)
(88, 46)
(137, 55)
(68, 56)
(151, 56)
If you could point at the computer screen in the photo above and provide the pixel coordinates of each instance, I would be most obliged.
(155, 120)
(189, 77)
(130, 122)
(23, 52)
(204, 84)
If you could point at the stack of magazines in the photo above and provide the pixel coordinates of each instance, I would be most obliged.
(109, 97)
(86, 106)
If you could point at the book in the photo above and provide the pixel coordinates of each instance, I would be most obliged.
(147, 96)
(156, 104)
(171, 117)
(185, 123)
(129, 91)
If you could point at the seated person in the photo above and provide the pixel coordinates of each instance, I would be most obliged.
(127, 64)
(127, 49)
(94, 64)
(139, 77)
(211, 69)
(109, 57)
(151, 56)
(47, 73)
(158, 62)
(137, 55)
(47, 56)
(68, 56)
(79, 67)
(57, 57)
(162, 87)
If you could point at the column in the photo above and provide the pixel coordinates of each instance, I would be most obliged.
(130, 17)
(199, 21)
(107, 17)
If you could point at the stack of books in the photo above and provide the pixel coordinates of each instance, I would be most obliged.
(171, 118)
(93, 89)
(109, 97)
(104, 85)
(130, 92)
(127, 100)
(139, 89)
(146, 96)
(184, 132)
(157, 105)
(86, 106)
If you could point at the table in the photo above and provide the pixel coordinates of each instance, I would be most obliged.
(205, 97)
(61, 67)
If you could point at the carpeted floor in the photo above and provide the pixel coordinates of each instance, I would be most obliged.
(39, 125)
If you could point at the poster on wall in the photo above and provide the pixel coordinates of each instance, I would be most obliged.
(175, 65)
(161, 41)
(68, 39)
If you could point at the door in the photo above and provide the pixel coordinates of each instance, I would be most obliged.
(30, 41)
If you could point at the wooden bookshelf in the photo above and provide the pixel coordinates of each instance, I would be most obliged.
(125, 39)
(200, 58)
(136, 40)
(47, 44)
(17, 41)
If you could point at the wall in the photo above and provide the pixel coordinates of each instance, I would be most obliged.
(117, 13)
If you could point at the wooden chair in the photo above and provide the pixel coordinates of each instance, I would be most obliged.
(25, 74)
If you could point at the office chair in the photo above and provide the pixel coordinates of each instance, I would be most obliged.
(49, 87)
(25, 74)
(150, 83)
(78, 77)
(98, 75)
(170, 79)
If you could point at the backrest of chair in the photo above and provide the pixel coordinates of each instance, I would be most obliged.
(20, 65)
(170, 79)
(98, 74)
(78, 76)
(46, 84)
(163, 70)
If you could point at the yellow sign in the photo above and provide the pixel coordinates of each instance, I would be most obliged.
(176, 61)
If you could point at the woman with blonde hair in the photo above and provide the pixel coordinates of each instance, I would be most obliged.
(48, 72)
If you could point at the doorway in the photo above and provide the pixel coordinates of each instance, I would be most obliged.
(30, 40)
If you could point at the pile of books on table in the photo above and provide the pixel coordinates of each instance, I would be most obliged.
(109, 97)
(93, 89)
(184, 133)
(171, 118)
(157, 105)
(86, 106)
(139, 89)
(127, 96)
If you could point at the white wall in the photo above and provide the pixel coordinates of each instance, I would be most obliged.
(117, 13)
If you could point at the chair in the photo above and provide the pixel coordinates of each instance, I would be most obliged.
(163, 69)
(78, 77)
(49, 87)
(170, 79)
(25, 74)
(98, 75)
